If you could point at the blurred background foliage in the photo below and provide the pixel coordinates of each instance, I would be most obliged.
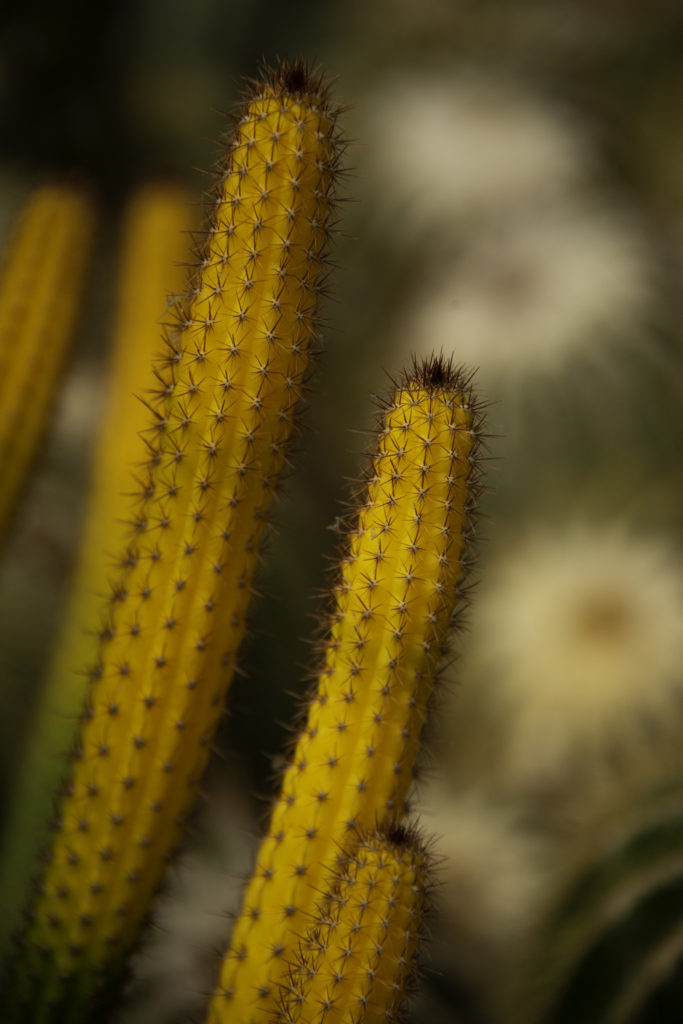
(516, 198)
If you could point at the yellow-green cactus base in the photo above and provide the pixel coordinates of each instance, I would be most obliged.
(353, 763)
(221, 419)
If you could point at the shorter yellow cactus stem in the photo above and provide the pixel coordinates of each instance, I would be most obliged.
(356, 960)
(40, 290)
(354, 760)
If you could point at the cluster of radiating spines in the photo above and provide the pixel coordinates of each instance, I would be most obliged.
(356, 961)
(153, 247)
(41, 283)
(222, 415)
(353, 763)
(610, 949)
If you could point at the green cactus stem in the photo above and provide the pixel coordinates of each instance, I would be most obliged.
(353, 763)
(222, 415)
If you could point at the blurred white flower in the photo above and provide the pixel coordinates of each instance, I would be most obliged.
(79, 405)
(492, 874)
(527, 295)
(440, 149)
(578, 636)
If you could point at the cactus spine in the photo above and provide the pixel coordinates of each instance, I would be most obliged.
(222, 414)
(40, 290)
(153, 246)
(354, 759)
(357, 957)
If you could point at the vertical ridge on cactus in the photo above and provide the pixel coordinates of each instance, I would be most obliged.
(152, 247)
(222, 414)
(41, 284)
(353, 763)
(356, 959)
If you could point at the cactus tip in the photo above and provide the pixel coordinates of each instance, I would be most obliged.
(398, 833)
(296, 77)
(437, 371)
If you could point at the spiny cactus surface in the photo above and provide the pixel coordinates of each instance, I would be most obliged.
(41, 284)
(393, 603)
(356, 960)
(222, 414)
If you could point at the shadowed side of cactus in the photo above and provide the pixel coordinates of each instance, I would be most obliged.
(608, 950)
(353, 763)
(357, 959)
(222, 415)
(153, 245)
(41, 284)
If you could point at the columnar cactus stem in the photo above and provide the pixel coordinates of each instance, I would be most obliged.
(353, 762)
(40, 290)
(223, 413)
(357, 958)
(153, 246)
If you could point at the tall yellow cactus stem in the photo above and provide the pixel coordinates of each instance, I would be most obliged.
(153, 246)
(356, 961)
(393, 605)
(223, 413)
(41, 284)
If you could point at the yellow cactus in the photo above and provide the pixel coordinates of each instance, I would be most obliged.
(223, 413)
(40, 291)
(153, 247)
(356, 960)
(353, 763)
